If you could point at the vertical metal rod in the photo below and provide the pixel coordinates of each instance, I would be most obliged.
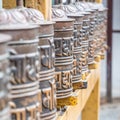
(0, 4)
(109, 53)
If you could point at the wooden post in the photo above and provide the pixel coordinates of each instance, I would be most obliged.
(91, 109)
(45, 7)
(109, 53)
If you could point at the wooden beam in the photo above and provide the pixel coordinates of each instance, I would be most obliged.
(91, 109)
(8, 4)
(45, 7)
(98, 1)
(109, 52)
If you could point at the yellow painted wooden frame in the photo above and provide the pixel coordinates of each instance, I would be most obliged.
(43, 5)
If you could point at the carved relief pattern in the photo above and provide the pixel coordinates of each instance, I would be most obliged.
(91, 41)
(85, 39)
(63, 47)
(4, 79)
(23, 69)
(24, 84)
(47, 80)
(77, 66)
(49, 97)
(30, 112)
(63, 80)
(48, 55)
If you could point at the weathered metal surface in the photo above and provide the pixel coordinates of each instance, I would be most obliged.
(4, 78)
(11, 17)
(83, 38)
(77, 52)
(47, 73)
(100, 28)
(24, 66)
(63, 40)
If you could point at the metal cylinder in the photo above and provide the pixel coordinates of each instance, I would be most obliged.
(91, 48)
(47, 73)
(77, 63)
(83, 37)
(4, 78)
(85, 45)
(63, 56)
(24, 63)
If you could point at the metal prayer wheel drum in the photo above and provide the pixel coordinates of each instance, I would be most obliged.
(85, 41)
(4, 78)
(77, 63)
(91, 49)
(47, 72)
(63, 40)
(24, 62)
(103, 29)
(85, 46)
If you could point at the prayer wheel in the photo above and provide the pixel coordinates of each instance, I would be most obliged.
(24, 63)
(82, 38)
(72, 13)
(47, 73)
(4, 78)
(77, 52)
(63, 39)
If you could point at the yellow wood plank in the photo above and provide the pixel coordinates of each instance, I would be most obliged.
(91, 109)
(99, 1)
(92, 79)
(94, 65)
(31, 3)
(42, 5)
(73, 112)
(9, 4)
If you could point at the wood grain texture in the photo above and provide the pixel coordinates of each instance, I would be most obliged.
(8, 4)
(31, 3)
(45, 7)
(73, 112)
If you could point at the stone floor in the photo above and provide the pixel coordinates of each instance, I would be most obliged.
(110, 112)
